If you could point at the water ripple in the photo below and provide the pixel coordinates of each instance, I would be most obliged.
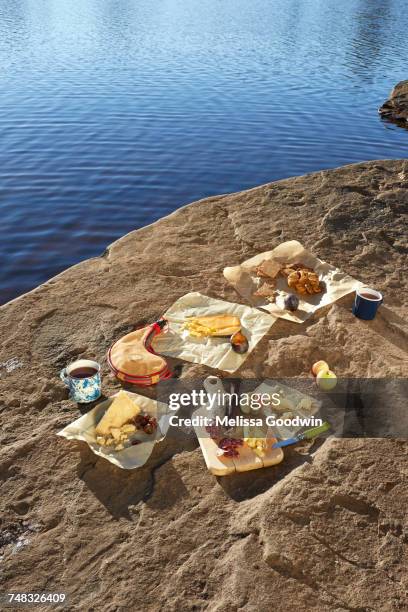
(113, 113)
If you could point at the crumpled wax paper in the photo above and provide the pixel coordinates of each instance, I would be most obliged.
(338, 284)
(128, 458)
(212, 352)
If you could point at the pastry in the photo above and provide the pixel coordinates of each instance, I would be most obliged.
(303, 280)
(288, 268)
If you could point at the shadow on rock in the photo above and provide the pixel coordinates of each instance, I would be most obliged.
(119, 489)
(391, 327)
(246, 485)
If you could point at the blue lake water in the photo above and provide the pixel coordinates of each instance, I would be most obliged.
(115, 112)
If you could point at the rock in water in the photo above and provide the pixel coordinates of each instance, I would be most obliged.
(396, 108)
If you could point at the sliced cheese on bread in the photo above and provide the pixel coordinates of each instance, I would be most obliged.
(213, 325)
(121, 411)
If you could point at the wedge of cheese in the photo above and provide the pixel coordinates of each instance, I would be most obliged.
(120, 412)
(213, 325)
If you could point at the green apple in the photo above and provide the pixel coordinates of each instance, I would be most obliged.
(326, 380)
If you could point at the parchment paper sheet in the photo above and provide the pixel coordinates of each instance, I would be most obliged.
(337, 282)
(129, 458)
(213, 352)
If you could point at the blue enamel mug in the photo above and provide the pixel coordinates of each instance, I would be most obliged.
(83, 379)
(366, 303)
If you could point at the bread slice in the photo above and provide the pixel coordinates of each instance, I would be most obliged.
(213, 325)
(121, 411)
(130, 356)
(268, 269)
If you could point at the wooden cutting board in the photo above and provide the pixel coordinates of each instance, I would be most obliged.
(247, 460)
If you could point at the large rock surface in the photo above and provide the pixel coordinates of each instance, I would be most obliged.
(325, 530)
(396, 107)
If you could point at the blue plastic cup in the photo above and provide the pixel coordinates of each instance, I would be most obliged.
(366, 303)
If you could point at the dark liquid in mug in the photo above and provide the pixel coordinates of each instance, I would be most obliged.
(85, 372)
(369, 296)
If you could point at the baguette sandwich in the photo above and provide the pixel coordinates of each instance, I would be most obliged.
(223, 325)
